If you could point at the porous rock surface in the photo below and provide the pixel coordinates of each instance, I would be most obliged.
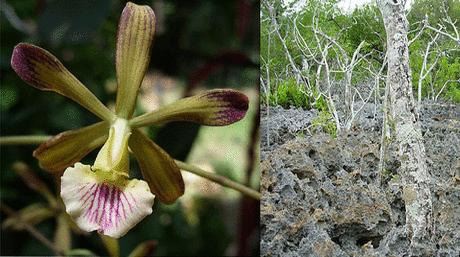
(323, 196)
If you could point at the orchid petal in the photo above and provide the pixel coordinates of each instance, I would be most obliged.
(42, 70)
(104, 200)
(134, 40)
(216, 107)
(157, 167)
(66, 148)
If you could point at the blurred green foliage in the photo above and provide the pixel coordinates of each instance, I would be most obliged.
(82, 34)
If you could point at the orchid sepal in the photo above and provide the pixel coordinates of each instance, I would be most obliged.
(134, 41)
(218, 107)
(42, 70)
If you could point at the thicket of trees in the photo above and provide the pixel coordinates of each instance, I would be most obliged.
(320, 57)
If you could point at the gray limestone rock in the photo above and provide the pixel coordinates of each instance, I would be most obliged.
(322, 196)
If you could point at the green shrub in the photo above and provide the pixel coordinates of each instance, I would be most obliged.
(289, 93)
(321, 104)
(325, 122)
(454, 94)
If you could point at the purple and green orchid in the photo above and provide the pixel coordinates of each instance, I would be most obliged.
(102, 197)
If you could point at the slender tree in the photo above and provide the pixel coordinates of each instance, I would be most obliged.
(404, 120)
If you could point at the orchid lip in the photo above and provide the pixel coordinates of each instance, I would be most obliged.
(104, 201)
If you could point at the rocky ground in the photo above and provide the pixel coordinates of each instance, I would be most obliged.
(323, 196)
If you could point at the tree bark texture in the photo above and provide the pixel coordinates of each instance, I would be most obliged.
(406, 127)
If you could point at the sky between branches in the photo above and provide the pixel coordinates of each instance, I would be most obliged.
(345, 5)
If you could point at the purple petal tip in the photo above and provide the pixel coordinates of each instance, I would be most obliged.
(27, 57)
(234, 103)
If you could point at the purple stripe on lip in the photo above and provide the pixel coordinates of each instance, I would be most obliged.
(107, 205)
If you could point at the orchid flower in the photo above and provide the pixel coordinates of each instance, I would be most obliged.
(102, 197)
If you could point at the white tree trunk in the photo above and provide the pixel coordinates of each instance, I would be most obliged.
(405, 120)
(276, 27)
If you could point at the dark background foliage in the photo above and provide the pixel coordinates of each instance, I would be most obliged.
(200, 43)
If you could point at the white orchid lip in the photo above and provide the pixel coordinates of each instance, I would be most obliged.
(104, 201)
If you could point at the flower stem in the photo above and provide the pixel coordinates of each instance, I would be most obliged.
(221, 180)
(31, 229)
(23, 140)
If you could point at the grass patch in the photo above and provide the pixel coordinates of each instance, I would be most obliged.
(288, 93)
(325, 122)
